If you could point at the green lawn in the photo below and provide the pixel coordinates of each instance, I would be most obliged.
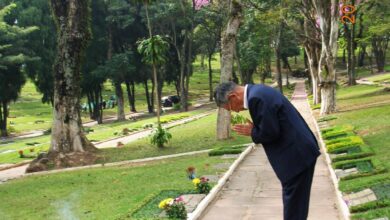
(370, 119)
(100, 193)
(194, 136)
(100, 133)
(380, 78)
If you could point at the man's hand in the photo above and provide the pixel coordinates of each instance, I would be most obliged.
(244, 129)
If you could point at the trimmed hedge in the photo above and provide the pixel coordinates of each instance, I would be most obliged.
(376, 165)
(370, 206)
(363, 151)
(351, 141)
(372, 214)
(227, 150)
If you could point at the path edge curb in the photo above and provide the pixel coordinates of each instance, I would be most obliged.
(202, 206)
(343, 208)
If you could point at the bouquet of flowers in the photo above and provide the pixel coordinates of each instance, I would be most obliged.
(174, 207)
(202, 185)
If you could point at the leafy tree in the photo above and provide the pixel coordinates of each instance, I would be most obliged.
(154, 51)
(13, 59)
(69, 145)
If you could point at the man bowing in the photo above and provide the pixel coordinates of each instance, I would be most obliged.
(291, 147)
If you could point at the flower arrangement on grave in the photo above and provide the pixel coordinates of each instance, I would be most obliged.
(202, 185)
(21, 154)
(174, 208)
(191, 173)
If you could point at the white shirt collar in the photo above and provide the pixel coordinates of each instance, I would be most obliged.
(245, 97)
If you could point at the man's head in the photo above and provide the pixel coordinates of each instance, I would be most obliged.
(229, 96)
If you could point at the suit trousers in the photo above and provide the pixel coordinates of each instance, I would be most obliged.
(296, 195)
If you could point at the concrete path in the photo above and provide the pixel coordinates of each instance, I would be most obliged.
(18, 172)
(254, 192)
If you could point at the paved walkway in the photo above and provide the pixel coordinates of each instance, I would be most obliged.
(254, 192)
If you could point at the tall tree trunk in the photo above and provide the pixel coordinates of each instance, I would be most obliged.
(3, 119)
(211, 78)
(148, 98)
(328, 13)
(130, 95)
(278, 57)
(121, 104)
(67, 137)
(227, 51)
(132, 100)
(351, 57)
(100, 119)
(362, 53)
(379, 47)
(244, 78)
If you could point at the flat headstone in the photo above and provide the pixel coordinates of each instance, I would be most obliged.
(359, 198)
(163, 214)
(191, 201)
(222, 166)
(343, 173)
(230, 156)
(212, 178)
(332, 156)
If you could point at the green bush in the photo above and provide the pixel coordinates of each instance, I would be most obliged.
(350, 141)
(356, 152)
(227, 150)
(366, 167)
(160, 136)
(238, 119)
(372, 214)
(370, 206)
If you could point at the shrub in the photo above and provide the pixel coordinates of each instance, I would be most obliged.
(353, 153)
(202, 185)
(160, 136)
(238, 119)
(351, 141)
(227, 150)
(366, 167)
(174, 207)
(370, 206)
(146, 126)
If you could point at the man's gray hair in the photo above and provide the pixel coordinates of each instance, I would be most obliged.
(222, 91)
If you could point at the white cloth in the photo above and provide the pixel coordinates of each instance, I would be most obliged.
(245, 97)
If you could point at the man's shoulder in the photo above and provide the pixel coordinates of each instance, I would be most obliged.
(262, 91)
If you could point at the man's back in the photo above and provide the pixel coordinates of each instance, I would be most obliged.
(288, 141)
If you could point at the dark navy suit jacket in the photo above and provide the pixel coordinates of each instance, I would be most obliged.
(290, 145)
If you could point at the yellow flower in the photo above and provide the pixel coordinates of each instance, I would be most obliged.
(196, 181)
(164, 204)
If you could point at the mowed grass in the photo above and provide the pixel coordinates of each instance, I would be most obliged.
(365, 108)
(100, 193)
(194, 136)
(101, 132)
(29, 113)
(380, 78)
